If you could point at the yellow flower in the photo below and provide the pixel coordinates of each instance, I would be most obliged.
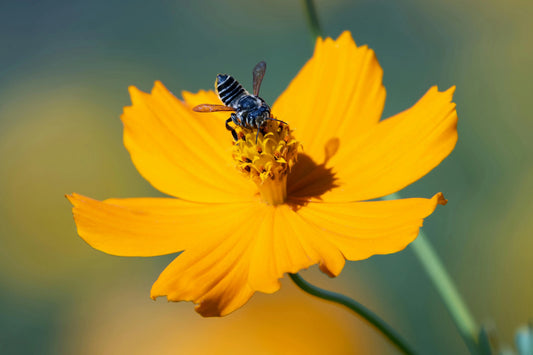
(303, 199)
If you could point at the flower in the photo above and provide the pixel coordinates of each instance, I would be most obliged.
(298, 195)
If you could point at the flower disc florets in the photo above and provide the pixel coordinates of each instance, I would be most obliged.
(268, 160)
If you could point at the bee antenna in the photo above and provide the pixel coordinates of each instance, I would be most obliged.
(274, 119)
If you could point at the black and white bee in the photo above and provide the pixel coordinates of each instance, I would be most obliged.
(250, 111)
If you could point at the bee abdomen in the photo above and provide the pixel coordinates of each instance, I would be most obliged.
(229, 90)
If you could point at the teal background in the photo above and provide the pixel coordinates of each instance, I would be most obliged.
(64, 71)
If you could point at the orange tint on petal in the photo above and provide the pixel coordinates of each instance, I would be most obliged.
(150, 226)
(363, 229)
(214, 273)
(181, 152)
(337, 94)
(398, 151)
(287, 243)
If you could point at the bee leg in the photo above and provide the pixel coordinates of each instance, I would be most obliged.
(234, 134)
(231, 129)
(257, 135)
(235, 119)
(228, 127)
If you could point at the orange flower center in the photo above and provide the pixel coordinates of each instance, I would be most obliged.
(269, 160)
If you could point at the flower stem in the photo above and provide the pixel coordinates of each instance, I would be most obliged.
(358, 308)
(312, 19)
(448, 292)
(446, 288)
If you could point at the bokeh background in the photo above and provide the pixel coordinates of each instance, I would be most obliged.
(64, 71)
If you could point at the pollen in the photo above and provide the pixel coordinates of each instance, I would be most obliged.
(269, 160)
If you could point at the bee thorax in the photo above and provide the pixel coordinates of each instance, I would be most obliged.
(252, 111)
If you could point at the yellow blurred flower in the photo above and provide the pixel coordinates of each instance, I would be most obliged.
(299, 206)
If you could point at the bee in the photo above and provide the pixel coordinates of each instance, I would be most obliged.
(250, 111)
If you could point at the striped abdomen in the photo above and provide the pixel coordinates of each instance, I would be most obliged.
(229, 90)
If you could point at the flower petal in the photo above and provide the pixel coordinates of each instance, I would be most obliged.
(150, 226)
(287, 243)
(214, 273)
(363, 229)
(181, 152)
(398, 151)
(338, 94)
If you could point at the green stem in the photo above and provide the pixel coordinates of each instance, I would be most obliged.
(312, 19)
(446, 288)
(358, 308)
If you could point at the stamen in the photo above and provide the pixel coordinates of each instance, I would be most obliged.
(268, 161)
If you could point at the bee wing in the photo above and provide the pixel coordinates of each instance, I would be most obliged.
(259, 73)
(212, 108)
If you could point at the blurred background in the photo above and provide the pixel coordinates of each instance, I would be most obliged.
(64, 71)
